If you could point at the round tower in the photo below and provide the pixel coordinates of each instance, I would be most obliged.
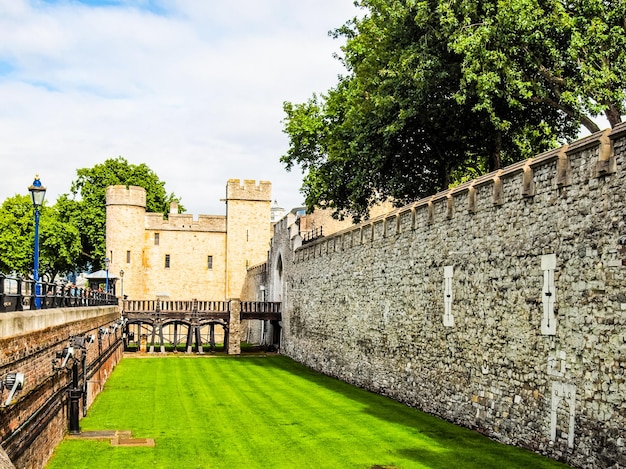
(125, 228)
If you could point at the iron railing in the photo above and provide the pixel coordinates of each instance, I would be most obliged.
(19, 294)
(268, 310)
(310, 236)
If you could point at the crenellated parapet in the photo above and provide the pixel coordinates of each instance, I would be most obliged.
(184, 256)
(126, 195)
(185, 222)
(498, 304)
(249, 189)
(593, 157)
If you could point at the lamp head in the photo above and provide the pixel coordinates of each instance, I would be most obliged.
(37, 192)
(13, 381)
(82, 342)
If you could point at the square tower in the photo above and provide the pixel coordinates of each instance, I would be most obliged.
(248, 229)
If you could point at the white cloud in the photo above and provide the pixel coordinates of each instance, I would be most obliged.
(194, 91)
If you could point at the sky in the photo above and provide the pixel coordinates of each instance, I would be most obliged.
(192, 88)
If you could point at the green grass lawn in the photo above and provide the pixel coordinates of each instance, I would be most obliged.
(268, 412)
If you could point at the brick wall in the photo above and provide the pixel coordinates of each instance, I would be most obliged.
(36, 420)
(499, 305)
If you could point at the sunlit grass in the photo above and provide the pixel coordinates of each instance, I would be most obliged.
(268, 412)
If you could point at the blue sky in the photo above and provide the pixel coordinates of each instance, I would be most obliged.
(193, 88)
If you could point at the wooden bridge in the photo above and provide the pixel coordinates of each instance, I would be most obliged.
(161, 323)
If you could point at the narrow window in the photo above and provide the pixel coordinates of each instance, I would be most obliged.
(156, 239)
(210, 262)
(247, 264)
(128, 257)
(247, 235)
(167, 261)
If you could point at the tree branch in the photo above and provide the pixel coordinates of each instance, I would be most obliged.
(585, 120)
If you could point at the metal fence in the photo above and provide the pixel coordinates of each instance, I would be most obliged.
(310, 236)
(20, 294)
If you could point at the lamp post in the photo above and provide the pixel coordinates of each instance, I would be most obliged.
(38, 193)
(122, 282)
(106, 266)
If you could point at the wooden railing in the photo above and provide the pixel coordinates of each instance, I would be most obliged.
(199, 308)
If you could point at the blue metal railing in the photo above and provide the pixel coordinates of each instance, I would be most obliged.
(19, 294)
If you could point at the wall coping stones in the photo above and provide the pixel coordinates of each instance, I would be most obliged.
(24, 322)
(602, 142)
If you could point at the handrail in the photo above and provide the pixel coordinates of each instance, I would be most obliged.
(19, 294)
(310, 236)
(168, 309)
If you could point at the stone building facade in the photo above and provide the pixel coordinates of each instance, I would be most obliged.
(183, 258)
(499, 305)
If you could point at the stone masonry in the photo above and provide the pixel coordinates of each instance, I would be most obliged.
(499, 305)
(36, 420)
(182, 258)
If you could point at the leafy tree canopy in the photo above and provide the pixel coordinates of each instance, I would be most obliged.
(439, 89)
(59, 242)
(86, 207)
(566, 55)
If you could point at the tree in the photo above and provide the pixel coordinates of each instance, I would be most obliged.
(59, 242)
(567, 56)
(16, 235)
(396, 127)
(86, 207)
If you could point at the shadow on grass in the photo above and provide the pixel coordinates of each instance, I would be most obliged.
(453, 442)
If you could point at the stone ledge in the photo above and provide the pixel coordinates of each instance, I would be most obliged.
(115, 437)
(25, 322)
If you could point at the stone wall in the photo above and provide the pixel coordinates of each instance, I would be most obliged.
(36, 420)
(182, 258)
(254, 289)
(248, 223)
(499, 305)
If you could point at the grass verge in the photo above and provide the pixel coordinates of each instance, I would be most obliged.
(262, 412)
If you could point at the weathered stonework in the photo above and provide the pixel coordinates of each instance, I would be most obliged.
(499, 305)
(185, 258)
(37, 419)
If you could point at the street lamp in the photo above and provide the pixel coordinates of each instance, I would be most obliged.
(122, 282)
(38, 193)
(106, 266)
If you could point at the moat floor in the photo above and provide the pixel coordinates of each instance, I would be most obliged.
(260, 412)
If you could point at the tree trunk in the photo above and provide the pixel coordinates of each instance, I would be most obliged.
(494, 159)
(589, 124)
(613, 115)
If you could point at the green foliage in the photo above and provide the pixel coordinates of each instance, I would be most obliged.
(566, 56)
(438, 90)
(250, 412)
(86, 208)
(59, 242)
(16, 235)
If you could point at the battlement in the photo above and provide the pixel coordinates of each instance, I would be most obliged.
(185, 222)
(589, 158)
(248, 190)
(126, 195)
(476, 300)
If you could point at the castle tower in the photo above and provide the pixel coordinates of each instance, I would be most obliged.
(125, 215)
(248, 229)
